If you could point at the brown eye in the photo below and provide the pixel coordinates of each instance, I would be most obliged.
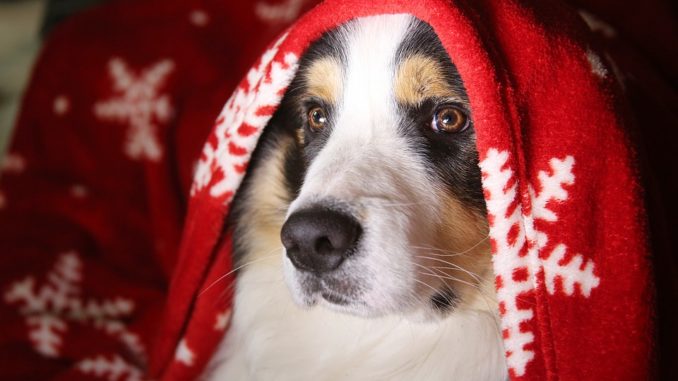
(317, 119)
(449, 119)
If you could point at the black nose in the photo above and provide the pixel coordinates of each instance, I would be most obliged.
(319, 239)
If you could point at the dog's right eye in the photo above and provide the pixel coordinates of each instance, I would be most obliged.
(317, 118)
(449, 119)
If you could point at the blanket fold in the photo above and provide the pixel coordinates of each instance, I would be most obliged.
(94, 187)
(115, 190)
(566, 220)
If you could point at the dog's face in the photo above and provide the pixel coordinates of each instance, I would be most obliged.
(383, 209)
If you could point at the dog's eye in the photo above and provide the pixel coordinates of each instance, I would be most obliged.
(317, 118)
(449, 119)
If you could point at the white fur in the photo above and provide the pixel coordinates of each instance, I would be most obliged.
(386, 333)
(272, 339)
(369, 166)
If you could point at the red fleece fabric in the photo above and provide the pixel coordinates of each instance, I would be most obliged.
(95, 184)
(111, 218)
(566, 219)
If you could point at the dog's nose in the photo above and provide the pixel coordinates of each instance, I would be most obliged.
(319, 239)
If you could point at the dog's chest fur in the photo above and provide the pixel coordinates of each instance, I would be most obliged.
(272, 339)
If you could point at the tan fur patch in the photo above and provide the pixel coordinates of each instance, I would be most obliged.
(419, 77)
(462, 256)
(323, 80)
(266, 204)
(301, 136)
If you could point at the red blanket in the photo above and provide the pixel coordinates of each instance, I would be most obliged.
(566, 220)
(112, 274)
(95, 184)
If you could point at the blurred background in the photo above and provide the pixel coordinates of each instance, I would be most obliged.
(23, 25)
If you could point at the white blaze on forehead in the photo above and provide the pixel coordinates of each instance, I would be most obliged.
(365, 154)
(371, 50)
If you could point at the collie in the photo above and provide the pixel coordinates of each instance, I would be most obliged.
(360, 231)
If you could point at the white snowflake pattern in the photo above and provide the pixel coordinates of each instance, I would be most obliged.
(222, 320)
(49, 309)
(226, 154)
(13, 163)
(184, 354)
(111, 369)
(61, 105)
(78, 191)
(518, 245)
(284, 12)
(140, 105)
(597, 66)
(199, 17)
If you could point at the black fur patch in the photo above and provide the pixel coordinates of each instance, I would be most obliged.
(328, 45)
(453, 157)
(444, 300)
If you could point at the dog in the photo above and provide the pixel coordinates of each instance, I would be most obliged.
(360, 232)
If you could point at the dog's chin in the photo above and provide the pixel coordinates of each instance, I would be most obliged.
(335, 292)
(340, 293)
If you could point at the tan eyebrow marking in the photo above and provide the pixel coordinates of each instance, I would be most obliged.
(323, 80)
(420, 77)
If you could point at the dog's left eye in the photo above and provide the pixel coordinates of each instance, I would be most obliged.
(449, 119)
(317, 118)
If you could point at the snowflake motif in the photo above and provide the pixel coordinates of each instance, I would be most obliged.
(226, 154)
(519, 246)
(279, 13)
(222, 320)
(199, 18)
(597, 66)
(114, 369)
(13, 163)
(78, 191)
(61, 105)
(49, 308)
(140, 105)
(184, 354)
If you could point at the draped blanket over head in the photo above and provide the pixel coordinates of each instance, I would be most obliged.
(93, 192)
(568, 240)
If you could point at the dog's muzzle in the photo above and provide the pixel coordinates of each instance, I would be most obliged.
(318, 239)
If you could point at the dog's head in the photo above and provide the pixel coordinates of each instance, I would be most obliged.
(384, 212)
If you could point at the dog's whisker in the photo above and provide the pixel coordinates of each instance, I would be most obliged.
(487, 299)
(222, 277)
(401, 204)
(452, 253)
(447, 298)
(443, 275)
(435, 291)
(451, 266)
(452, 278)
(447, 254)
(475, 276)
